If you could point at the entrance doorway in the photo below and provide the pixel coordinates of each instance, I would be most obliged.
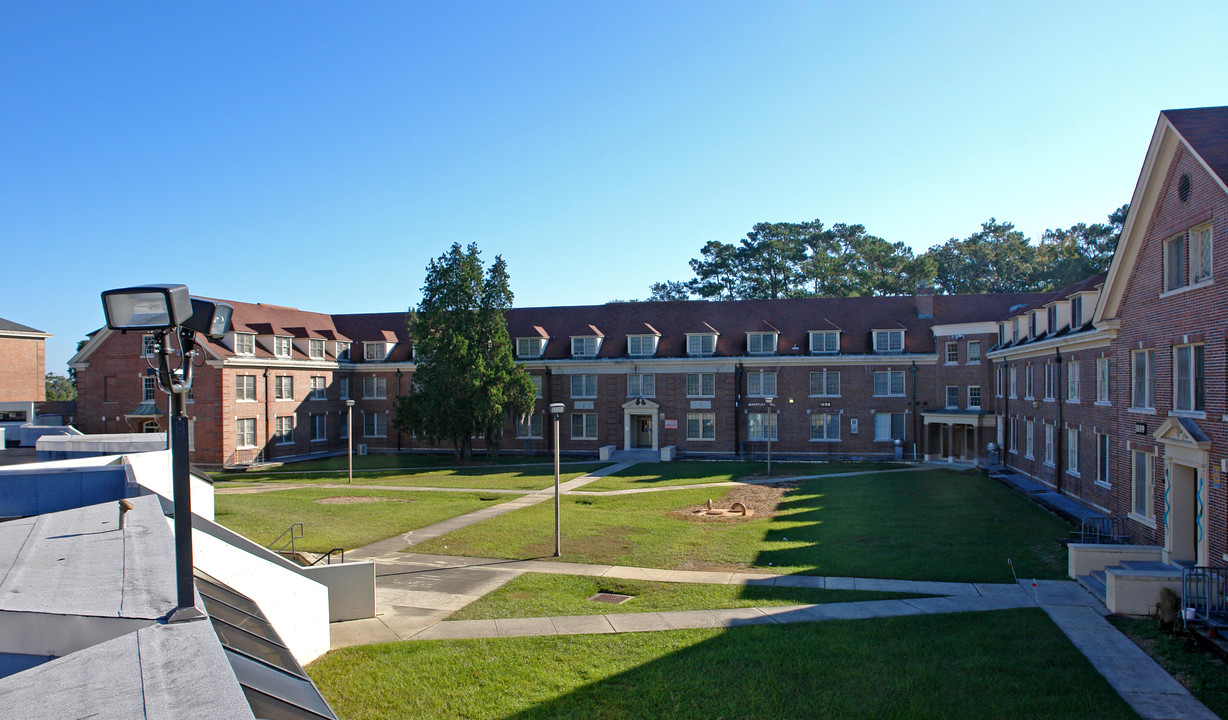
(1184, 514)
(641, 431)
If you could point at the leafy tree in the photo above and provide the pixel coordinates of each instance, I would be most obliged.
(996, 259)
(60, 388)
(466, 382)
(1068, 256)
(669, 290)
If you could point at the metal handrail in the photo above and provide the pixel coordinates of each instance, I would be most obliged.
(1103, 531)
(289, 541)
(1204, 589)
(329, 557)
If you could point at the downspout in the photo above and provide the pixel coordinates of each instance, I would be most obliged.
(268, 434)
(916, 411)
(737, 406)
(398, 396)
(1059, 432)
(1006, 411)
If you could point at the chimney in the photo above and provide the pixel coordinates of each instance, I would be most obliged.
(925, 302)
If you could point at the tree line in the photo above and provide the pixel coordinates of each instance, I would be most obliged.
(807, 259)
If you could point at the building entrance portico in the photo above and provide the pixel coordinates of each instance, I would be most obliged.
(640, 421)
(1185, 491)
(956, 434)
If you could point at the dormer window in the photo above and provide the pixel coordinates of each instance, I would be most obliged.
(888, 341)
(761, 343)
(1001, 333)
(530, 347)
(585, 345)
(281, 347)
(641, 345)
(1076, 312)
(315, 349)
(1052, 318)
(343, 351)
(245, 344)
(1031, 325)
(700, 344)
(375, 351)
(1015, 329)
(825, 342)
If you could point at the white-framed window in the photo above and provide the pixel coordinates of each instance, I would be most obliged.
(1029, 382)
(642, 345)
(583, 425)
(245, 432)
(825, 383)
(1051, 318)
(1200, 253)
(1102, 459)
(974, 397)
(1049, 455)
(345, 426)
(374, 351)
(284, 429)
(701, 426)
(1189, 370)
(315, 348)
(888, 426)
(374, 387)
(825, 427)
(1029, 438)
(245, 344)
(1014, 384)
(700, 344)
(1001, 334)
(1174, 262)
(530, 347)
(1142, 484)
(761, 426)
(1072, 381)
(282, 346)
(149, 345)
(952, 353)
(1015, 329)
(761, 384)
(888, 341)
(1142, 379)
(1050, 380)
(1000, 381)
(641, 385)
(319, 427)
(1076, 312)
(824, 342)
(1013, 439)
(952, 396)
(374, 425)
(889, 383)
(283, 387)
(584, 386)
(343, 351)
(343, 388)
(1102, 379)
(974, 351)
(537, 386)
(245, 387)
(585, 346)
(149, 388)
(1032, 325)
(701, 384)
(529, 425)
(1072, 451)
(318, 385)
(761, 343)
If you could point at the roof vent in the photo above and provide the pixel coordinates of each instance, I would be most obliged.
(1183, 188)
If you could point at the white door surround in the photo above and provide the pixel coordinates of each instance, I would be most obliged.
(1185, 490)
(641, 406)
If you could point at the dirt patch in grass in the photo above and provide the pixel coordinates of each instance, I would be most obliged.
(605, 549)
(761, 500)
(358, 499)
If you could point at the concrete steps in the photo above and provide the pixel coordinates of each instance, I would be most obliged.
(1095, 584)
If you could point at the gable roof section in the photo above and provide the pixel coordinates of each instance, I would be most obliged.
(1204, 131)
(8, 326)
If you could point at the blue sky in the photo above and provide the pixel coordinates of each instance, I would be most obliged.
(318, 155)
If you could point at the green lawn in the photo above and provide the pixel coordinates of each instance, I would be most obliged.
(1205, 675)
(545, 595)
(691, 472)
(396, 461)
(1002, 665)
(928, 525)
(533, 477)
(263, 516)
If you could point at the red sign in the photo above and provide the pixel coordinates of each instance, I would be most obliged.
(671, 424)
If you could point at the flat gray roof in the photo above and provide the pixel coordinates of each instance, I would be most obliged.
(160, 671)
(77, 562)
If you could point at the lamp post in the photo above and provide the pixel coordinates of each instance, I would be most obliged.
(556, 409)
(349, 435)
(165, 311)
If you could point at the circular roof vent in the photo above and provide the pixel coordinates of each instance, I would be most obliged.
(1183, 188)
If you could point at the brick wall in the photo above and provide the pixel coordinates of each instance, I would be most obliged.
(22, 370)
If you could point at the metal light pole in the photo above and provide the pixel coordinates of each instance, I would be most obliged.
(349, 435)
(556, 409)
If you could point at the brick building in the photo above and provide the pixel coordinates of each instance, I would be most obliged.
(22, 377)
